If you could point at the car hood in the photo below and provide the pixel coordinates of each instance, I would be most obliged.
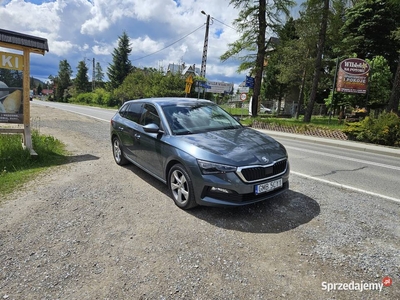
(243, 146)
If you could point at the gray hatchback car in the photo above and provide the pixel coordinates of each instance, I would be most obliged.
(203, 154)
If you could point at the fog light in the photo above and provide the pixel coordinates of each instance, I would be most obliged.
(220, 190)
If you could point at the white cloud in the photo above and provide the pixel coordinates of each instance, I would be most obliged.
(61, 48)
(102, 50)
(76, 29)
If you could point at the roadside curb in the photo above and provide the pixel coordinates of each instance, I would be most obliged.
(353, 145)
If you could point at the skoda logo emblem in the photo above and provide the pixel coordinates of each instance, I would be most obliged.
(264, 159)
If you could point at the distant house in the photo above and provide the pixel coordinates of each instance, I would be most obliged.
(47, 92)
(183, 69)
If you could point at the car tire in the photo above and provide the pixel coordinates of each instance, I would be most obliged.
(181, 187)
(118, 153)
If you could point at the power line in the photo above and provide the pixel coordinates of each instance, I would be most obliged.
(169, 44)
(224, 24)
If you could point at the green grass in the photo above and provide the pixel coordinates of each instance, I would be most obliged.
(236, 111)
(17, 166)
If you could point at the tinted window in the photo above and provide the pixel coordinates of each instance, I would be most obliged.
(150, 115)
(133, 112)
(122, 110)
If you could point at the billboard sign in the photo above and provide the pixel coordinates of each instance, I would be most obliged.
(353, 76)
(11, 61)
(11, 108)
(217, 87)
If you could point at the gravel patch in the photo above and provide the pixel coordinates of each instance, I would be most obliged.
(93, 230)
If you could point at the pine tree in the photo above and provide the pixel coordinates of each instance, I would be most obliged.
(81, 81)
(121, 66)
(99, 75)
(63, 81)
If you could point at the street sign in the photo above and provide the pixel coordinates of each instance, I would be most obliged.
(189, 79)
(189, 82)
(244, 89)
(243, 96)
(250, 82)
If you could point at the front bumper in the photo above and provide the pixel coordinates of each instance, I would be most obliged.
(209, 189)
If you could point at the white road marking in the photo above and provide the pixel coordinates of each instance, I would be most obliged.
(343, 186)
(346, 158)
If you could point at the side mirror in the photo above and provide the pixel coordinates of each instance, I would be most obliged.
(152, 128)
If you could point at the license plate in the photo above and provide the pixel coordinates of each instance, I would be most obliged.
(268, 186)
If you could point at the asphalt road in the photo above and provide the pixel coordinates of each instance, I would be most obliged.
(363, 168)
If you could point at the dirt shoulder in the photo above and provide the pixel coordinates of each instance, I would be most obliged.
(92, 230)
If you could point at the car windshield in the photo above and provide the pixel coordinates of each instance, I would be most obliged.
(197, 118)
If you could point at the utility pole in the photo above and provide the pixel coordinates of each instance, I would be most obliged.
(204, 60)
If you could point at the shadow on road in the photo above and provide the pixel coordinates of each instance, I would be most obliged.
(279, 214)
(81, 158)
(282, 213)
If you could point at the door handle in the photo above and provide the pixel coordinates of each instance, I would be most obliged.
(137, 136)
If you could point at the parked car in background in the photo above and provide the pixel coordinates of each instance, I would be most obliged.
(203, 154)
(264, 110)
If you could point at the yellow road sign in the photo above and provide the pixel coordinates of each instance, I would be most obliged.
(189, 79)
(188, 87)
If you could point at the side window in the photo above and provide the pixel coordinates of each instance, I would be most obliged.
(150, 115)
(122, 110)
(133, 112)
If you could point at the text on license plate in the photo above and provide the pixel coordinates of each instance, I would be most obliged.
(268, 186)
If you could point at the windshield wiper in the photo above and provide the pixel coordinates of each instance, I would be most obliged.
(184, 132)
(230, 127)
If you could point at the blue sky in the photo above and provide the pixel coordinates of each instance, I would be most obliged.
(82, 30)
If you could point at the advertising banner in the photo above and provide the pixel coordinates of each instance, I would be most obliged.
(11, 108)
(219, 87)
(216, 87)
(11, 61)
(353, 76)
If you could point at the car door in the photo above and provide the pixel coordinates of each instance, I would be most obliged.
(129, 129)
(150, 144)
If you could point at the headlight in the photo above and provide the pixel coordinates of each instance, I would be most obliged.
(207, 167)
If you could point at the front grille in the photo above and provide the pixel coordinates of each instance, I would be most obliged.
(258, 173)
